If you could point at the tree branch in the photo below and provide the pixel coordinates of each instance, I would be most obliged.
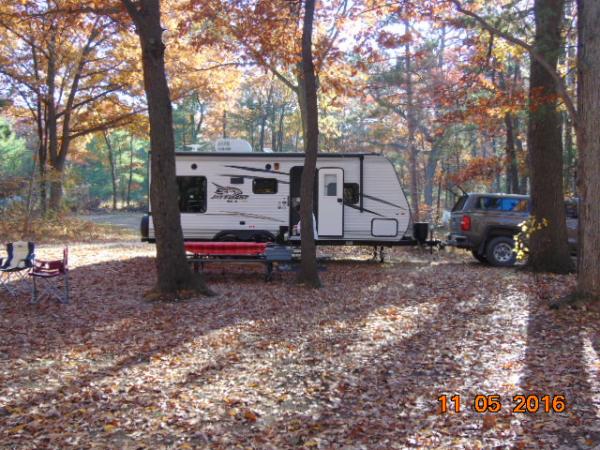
(558, 80)
(113, 123)
(133, 12)
(91, 99)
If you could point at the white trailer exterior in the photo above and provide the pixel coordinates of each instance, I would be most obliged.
(255, 196)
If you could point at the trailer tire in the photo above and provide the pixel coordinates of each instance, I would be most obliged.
(227, 237)
(264, 237)
(244, 236)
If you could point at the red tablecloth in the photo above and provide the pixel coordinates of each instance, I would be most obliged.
(226, 248)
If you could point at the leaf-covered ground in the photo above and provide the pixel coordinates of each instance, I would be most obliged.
(359, 364)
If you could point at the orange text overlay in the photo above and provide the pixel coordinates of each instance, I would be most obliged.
(493, 403)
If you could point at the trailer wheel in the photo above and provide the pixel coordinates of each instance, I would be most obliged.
(227, 237)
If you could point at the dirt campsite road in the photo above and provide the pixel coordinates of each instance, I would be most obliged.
(128, 220)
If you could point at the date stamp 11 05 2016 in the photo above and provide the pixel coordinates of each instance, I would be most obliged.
(493, 403)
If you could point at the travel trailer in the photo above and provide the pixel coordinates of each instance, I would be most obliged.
(244, 196)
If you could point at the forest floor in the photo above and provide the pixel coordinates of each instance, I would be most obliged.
(359, 364)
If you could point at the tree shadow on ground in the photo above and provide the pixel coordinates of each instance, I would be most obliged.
(391, 397)
(557, 364)
(361, 362)
(107, 330)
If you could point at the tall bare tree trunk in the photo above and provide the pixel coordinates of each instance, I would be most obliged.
(588, 278)
(512, 172)
(52, 125)
(569, 158)
(280, 130)
(309, 274)
(523, 173)
(261, 139)
(549, 248)
(130, 177)
(174, 273)
(410, 119)
(430, 169)
(42, 159)
(113, 172)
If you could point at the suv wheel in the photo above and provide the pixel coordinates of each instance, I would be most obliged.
(479, 257)
(500, 252)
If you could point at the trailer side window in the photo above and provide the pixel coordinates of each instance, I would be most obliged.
(264, 186)
(192, 194)
(351, 193)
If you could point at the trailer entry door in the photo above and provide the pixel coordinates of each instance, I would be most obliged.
(331, 202)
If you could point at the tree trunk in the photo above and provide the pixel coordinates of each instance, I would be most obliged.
(130, 177)
(432, 163)
(549, 251)
(113, 174)
(198, 127)
(588, 132)
(52, 125)
(523, 174)
(173, 270)
(42, 158)
(309, 274)
(119, 172)
(280, 130)
(570, 156)
(272, 121)
(410, 116)
(512, 173)
(261, 140)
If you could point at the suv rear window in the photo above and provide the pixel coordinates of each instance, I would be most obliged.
(502, 204)
(460, 203)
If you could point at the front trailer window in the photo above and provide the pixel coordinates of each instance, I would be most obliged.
(192, 194)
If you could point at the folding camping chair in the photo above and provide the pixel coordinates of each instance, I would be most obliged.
(14, 268)
(45, 276)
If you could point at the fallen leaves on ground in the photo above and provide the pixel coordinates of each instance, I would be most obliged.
(358, 364)
(58, 228)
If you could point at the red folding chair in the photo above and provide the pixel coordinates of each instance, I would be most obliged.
(45, 276)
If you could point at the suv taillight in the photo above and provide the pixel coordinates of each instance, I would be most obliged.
(465, 223)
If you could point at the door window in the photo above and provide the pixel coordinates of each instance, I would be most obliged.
(330, 182)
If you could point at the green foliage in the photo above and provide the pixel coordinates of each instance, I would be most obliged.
(16, 160)
(528, 227)
(90, 179)
(189, 117)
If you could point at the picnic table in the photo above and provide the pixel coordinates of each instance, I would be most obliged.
(200, 253)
